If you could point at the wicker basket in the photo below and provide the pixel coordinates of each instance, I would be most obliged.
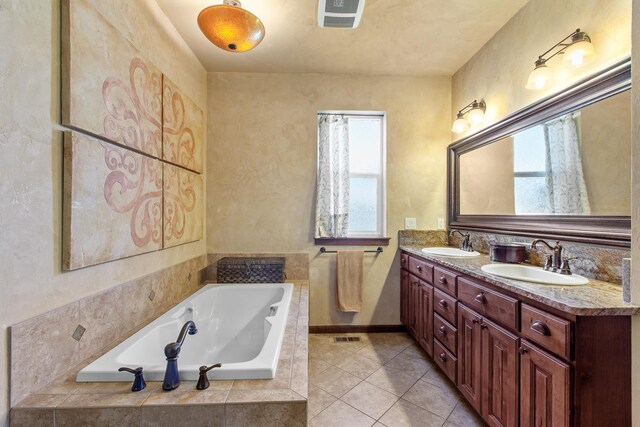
(251, 270)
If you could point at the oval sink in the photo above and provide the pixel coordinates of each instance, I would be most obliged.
(452, 252)
(533, 274)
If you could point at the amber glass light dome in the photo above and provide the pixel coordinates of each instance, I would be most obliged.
(230, 27)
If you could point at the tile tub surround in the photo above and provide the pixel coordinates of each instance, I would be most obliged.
(277, 402)
(592, 261)
(597, 298)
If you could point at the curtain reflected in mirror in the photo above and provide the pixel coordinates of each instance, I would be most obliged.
(575, 164)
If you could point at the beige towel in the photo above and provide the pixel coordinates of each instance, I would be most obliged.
(350, 272)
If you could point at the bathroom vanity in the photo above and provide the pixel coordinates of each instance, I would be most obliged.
(521, 353)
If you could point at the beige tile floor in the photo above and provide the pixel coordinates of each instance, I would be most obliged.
(382, 380)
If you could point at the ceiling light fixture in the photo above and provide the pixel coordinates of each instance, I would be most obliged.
(474, 114)
(230, 27)
(577, 51)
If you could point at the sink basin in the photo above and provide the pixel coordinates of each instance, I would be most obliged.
(452, 252)
(533, 274)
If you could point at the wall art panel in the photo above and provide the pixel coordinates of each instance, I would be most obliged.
(183, 195)
(108, 88)
(112, 202)
(182, 128)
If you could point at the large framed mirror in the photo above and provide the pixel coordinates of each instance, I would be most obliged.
(559, 168)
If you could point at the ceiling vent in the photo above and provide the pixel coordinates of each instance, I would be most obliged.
(340, 13)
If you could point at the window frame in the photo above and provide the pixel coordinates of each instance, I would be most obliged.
(365, 238)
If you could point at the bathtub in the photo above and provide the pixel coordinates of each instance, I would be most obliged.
(239, 325)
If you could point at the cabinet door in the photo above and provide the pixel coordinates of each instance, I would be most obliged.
(469, 354)
(544, 389)
(425, 318)
(413, 304)
(499, 375)
(404, 297)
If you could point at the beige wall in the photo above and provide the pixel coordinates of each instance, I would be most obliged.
(262, 171)
(499, 71)
(31, 281)
(487, 180)
(606, 154)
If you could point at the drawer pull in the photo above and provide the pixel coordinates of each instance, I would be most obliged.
(442, 330)
(540, 327)
(403, 260)
(419, 267)
(442, 280)
(481, 298)
(443, 357)
(475, 321)
(522, 350)
(442, 303)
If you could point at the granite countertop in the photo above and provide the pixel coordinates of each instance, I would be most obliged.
(596, 298)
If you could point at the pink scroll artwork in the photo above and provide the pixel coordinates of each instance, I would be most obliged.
(182, 207)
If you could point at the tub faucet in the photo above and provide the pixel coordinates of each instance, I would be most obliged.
(556, 259)
(466, 244)
(171, 351)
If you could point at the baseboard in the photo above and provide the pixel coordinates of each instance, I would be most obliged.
(355, 329)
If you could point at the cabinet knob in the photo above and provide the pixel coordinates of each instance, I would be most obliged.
(483, 326)
(443, 357)
(419, 268)
(442, 330)
(540, 327)
(522, 350)
(403, 260)
(442, 280)
(475, 321)
(442, 303)
(481, 298)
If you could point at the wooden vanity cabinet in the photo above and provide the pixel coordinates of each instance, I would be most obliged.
(425, 317)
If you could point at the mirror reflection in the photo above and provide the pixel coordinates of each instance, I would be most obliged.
(576, 164)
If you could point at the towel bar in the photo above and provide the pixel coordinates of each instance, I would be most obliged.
(324, 250)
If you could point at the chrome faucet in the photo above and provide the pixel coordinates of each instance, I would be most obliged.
(171, 351)
(554, 261)
(466, 244)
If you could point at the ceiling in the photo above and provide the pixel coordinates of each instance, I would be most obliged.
(395, 37)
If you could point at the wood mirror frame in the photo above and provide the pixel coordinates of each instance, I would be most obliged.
(599, 229)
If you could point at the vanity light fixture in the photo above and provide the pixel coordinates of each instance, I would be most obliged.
(230, 27)
(474, 113)
(577, 51)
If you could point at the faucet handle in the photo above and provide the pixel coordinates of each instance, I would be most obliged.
(565, 268)
(203, 381)
(138, 380)
(548, 262)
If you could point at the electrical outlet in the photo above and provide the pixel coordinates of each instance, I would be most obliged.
(410, 224)
(441, 224)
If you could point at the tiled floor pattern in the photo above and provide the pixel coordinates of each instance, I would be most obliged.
(382, 380)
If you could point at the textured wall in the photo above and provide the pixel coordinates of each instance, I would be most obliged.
(31, 282)
(262, 171)
(499, 71)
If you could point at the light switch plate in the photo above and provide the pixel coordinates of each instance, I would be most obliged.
(410, 224)
(440, 223)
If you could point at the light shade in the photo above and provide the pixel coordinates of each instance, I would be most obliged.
(580, 52)
(476, 114)
(539, 77)
(460, 125)
(230, 27)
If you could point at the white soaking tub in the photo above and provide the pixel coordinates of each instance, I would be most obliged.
(239, 325)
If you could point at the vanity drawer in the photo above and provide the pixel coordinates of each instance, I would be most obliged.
(446, 334)
(494, 305)
(445, 360)
(445, 280)
(404, 260)
(422, 269)
(445, 306)
(551, 332)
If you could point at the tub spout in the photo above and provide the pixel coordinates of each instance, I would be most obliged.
(171, 351)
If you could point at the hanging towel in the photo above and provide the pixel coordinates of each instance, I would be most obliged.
(350, 272)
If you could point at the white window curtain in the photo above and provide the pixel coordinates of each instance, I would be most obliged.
(566, 188)
(332, 203)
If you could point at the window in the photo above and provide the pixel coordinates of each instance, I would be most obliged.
(529, 171)
(351, 194)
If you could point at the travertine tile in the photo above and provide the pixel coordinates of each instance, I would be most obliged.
(198, 397)
(318, 401)
(266, 414)
(41, 401)
(393, 380)
(381, 353)
(32, 417)
(405, 414)
(339, 414)
(370, 399)
(333, 356)
(300, 377)
(432, 398)
(359, 366)
(240, 396)
(335, 381)
(103, 317)
(465, 416)
(436, 377)
(411, 363)
(104, 400)
(281, 380)
(98, 417)
(317, 366)
(193, 415)
(400, 340)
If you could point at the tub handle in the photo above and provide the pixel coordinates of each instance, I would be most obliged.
(138, 381)
(203, 381)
